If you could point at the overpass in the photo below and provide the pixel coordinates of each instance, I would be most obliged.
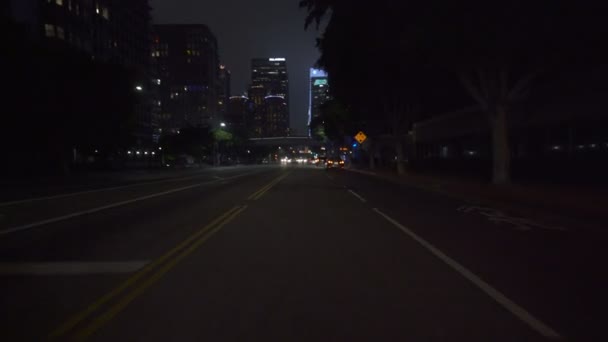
(285, 141)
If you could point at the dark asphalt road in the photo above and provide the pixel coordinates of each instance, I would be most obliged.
(291, 253)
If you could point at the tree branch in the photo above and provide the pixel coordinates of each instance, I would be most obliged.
(522, 86)
(473, 91)
(504, 83)
(483, 83)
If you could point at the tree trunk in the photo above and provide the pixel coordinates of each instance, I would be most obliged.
(400, 156)
(372, 156)
(501, 156)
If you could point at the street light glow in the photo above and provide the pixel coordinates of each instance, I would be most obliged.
(223, 124)
(139, 88)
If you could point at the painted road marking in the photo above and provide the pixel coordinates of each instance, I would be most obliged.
(108, 315)
(501, 299)
(71, 194)
(109, 206)
(497, 216)
(69, 268)
(260, 192)
(172, 254)
(357, 195)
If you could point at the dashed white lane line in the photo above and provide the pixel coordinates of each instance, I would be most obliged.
(501, 299)
(69, 268)
(357, 195)
(109, 206)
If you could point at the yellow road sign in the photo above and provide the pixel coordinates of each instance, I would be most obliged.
(360, 137)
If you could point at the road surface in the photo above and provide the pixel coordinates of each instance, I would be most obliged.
(290, 253)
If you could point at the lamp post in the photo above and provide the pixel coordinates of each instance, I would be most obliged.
(216, 147)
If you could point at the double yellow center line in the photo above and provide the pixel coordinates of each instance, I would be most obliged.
(88, 321)
(256, 195)
(78, 329)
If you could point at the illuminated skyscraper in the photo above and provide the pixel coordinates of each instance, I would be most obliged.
(318, 93)
(269, 91)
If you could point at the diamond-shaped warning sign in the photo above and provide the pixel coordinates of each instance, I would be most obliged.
(360, 137)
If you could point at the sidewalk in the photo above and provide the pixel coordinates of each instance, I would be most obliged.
(583, 207)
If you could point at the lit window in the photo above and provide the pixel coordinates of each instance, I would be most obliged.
(59, 2)
(49, 30)
(60, 32)
(188, 52)
(105, 13)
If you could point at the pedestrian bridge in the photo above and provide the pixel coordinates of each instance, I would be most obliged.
(285, 141)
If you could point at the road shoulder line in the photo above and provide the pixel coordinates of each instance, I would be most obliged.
(92, 191)
(501, 299)
(69, 268)
(109, 206)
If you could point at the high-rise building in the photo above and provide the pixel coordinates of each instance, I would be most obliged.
(319, 92)
(239, 115)
(269, 82)
(275, 121)
(271, 74)
(186, 58)
(113, 31)
(223, 92)
(109, 30)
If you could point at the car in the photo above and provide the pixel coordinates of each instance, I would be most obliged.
(335, 163)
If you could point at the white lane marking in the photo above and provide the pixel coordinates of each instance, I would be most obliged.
(109, 206)
(505, 302)
(69, 268)
(71, 194)
(357, 195)
(363, 172)
(497, 216)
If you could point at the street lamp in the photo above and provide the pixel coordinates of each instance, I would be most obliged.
(139, 88)
(222, 124)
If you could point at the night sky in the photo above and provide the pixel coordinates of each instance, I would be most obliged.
(248, 29)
